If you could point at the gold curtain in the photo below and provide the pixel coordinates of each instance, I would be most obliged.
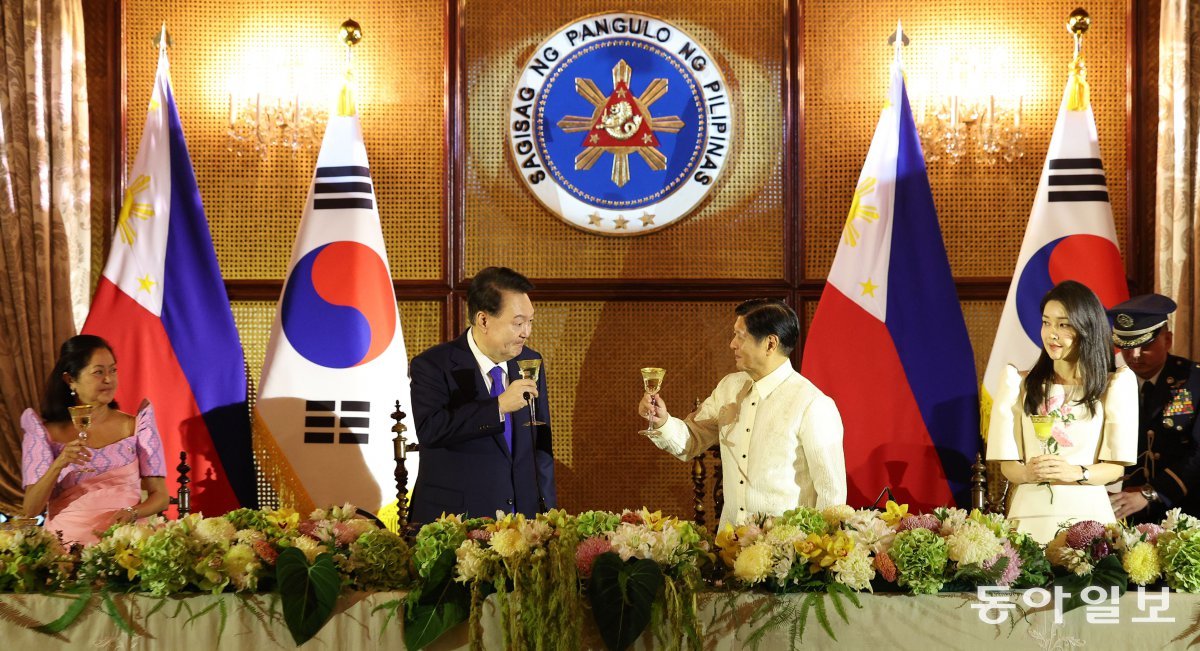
(1177, 194)
(44, 201)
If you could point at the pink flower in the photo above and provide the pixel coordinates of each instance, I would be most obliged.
(923, 521)
(265, 551)
(586, 553)
(1060, 435)
(481, 535)
(344, 533)
(309, 528)
(1152, 531)
(631, 517)
(1012, 570)
(1052, 405)
(886, 567)
(1081, 534)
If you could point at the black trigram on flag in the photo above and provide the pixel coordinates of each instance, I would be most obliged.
(1077, 179)
(323, 421)
(351, 189)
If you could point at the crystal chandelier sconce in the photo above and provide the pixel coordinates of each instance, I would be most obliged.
(260, 122)
(976, 120)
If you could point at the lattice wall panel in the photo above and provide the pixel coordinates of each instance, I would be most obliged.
(254, 206)
(593, 351)
(737, 233)
(983, 211)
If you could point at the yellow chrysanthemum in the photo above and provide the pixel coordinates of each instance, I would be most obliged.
(837, 514)
(1142, 564)
(508, 542)
(754, 563)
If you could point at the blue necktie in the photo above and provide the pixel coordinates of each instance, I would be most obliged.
(497, 375)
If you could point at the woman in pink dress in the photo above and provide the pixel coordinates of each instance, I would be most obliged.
(91, 484)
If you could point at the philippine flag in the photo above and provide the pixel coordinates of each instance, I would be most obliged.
(336, 362)
(888, 342)
(162, 305)
(1070, 236)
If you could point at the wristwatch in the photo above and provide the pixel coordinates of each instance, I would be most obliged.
(1084, 478)
(1149, 493)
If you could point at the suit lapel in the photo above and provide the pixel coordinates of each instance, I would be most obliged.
(466, 372)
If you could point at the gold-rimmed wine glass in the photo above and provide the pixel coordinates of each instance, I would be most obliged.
(652, 378)
(530, 370)
(81, 417)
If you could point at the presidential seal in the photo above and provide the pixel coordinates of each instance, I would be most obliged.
(620, 124)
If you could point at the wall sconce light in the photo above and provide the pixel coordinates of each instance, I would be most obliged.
(973, 112)
(269, 109)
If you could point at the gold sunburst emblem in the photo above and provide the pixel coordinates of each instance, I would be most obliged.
(131, 209)
(621, 124)
(860, 210)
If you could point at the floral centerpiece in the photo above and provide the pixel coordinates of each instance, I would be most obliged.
(237, 551)
(527, 562)
(642, 569)
(33, 559)
(805, 550)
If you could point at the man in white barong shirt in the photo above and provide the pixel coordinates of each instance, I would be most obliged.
(781, 438)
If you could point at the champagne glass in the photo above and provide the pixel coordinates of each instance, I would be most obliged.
(1043, 429)
(81, 416)
(652, 381)
(530, 369)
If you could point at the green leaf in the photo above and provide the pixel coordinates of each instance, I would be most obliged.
(69, 617)
(308, 592)
(622, 595)
(1106, 574)
(437, 606)
(391, 609)
(114, 613)
(822, 617)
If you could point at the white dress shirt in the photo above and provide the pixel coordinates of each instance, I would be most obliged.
(781, 443)
(486, 365)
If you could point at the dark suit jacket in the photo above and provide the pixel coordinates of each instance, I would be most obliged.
(465, 464)
(1169, 441)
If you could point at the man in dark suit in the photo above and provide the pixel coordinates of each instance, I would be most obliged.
(479, 454)
(1167, 474)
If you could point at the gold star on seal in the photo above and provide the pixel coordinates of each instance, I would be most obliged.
(595, 138)
(594, 219)
(620, 222)
(647, 219)
(146, 283)
(869, 288)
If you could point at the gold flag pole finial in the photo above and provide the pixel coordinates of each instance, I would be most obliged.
(1079, 98)
(163, 38)
(350, 34)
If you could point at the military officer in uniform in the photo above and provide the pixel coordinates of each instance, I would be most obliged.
(1167, 474)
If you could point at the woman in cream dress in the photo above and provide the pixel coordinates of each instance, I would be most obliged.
(1087, 414)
